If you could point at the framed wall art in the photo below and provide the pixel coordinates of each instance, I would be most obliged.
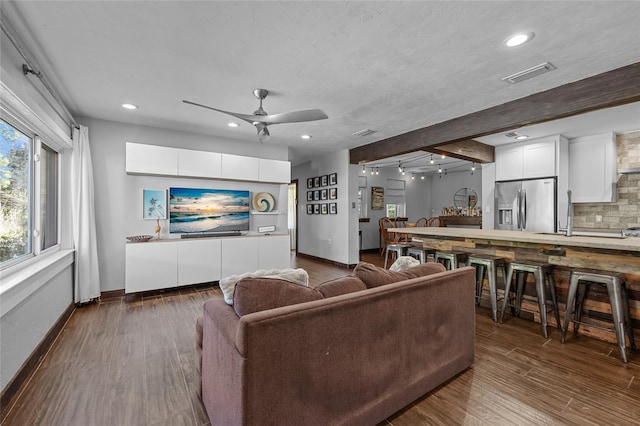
(333, 179)
(325, 208)
(377, 198)
(154, 204)
(309, 195)
(316, 209)
(310, 183)
(333, 193)
(316, 195)
(316, 182)
(309, 208)
(324, 180)
(333, 208)
(323, 194)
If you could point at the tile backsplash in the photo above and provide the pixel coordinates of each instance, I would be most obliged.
(626, 211)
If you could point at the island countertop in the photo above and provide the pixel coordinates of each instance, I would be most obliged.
(628, 244)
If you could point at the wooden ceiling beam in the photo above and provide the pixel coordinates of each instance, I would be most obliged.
(470, 150)
(617, 87)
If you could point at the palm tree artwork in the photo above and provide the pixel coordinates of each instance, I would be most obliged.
(154, 207)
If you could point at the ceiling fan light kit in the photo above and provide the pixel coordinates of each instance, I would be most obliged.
(261, 120)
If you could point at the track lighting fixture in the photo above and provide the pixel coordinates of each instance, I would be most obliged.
(363, 169)
(377, 171)
(399, 166)
(431, 161)
(422, 176)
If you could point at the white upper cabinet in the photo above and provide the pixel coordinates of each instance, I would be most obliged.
(199, 163)
(528, 160)
(592, 168)
(151, 159)
(238, 167)
(274, 171)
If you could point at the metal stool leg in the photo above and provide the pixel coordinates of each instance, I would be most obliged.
(479, 282)
(627, 316)
(615, 298)
(571, 302)
(493, 292)
(552, 291)
(542, 300)
(507, 288)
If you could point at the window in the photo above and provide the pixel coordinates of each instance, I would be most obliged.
(395, 198)
(29, 197)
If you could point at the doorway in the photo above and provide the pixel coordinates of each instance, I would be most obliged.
(292, 215)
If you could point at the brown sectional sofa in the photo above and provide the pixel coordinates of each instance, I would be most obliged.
(349, 352)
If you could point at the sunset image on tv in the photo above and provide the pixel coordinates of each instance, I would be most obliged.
(208, 210)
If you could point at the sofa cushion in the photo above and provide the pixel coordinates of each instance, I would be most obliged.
(253, 294)
(374, 276)
(228, 284)
(344, 285)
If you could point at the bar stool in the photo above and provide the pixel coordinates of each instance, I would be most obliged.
(579, 283)
(451, 259)
(399, 249)
(488, 266)
(420, 253)
(540, 271)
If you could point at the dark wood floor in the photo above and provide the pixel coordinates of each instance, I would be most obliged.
(130, 361)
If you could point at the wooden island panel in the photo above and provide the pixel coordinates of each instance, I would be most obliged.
(565, 254)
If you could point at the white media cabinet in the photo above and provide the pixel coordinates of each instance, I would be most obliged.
(174, 262)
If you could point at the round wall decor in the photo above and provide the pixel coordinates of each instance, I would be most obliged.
(263, 202)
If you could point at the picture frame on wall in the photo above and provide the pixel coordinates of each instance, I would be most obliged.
(316, 209)
(309, 195)
(333, 208)
(324, 180)
(154, 204)
(316, 195)
(325, 208)
(377, 198)
(316, 181)
(333, 179)
(333, 193)
(309, 208)
(323, 194)
(310, 183)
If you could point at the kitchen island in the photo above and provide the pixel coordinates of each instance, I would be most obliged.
(564, 253)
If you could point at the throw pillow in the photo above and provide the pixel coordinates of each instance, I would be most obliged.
(298, 276)
(340, 286)
(374, 276)
(403, 263)
(254, 294)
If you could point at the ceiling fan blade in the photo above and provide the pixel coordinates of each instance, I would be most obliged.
(292, 117)
(249, 118)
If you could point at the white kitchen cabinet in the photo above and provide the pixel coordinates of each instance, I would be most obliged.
(151, 159)
(238, 167)
(592, 168)
(150, 266)
(274, 252)
(199, 163)
(198, 261)
(239, 255)
(274, 171)
(528, 160)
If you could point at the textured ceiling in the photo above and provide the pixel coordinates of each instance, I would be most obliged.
(387, 66)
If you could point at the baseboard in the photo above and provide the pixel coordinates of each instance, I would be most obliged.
(31, 364)
(323, 260)
(111, 294)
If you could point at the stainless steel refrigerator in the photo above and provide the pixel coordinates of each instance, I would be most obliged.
(526, 205)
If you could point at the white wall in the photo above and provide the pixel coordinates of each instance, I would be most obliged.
(331, 237)
(118, 200)
(443, 189)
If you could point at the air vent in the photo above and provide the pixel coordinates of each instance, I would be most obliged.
(511, 134)
(363, 132)
(530, 73)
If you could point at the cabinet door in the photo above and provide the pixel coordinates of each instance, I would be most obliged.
(151, 159)
(275, 252)
(198, 261)
(150, 266)
(199, 163)
(274, 171)
(592, 168)
(240, 168)
(539, 159)
(239, 255)
(509, 162)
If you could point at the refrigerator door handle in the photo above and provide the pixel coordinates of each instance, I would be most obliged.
(524, 209)
(518, 210)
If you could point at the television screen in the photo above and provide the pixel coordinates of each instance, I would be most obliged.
(193, 210)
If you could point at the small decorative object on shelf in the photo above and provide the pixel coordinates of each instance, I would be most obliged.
(263, 202)
(139, 238)
(158, 228)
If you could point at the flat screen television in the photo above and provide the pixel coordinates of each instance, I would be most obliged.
(202, 210)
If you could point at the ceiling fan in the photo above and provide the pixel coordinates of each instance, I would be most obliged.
(261, 119)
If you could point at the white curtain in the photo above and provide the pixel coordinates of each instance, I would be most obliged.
(86, 276)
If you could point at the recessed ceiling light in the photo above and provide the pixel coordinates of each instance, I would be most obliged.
(233, 124)
(518, 39)
(521, 137)
(306, 136)
(129, 106)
